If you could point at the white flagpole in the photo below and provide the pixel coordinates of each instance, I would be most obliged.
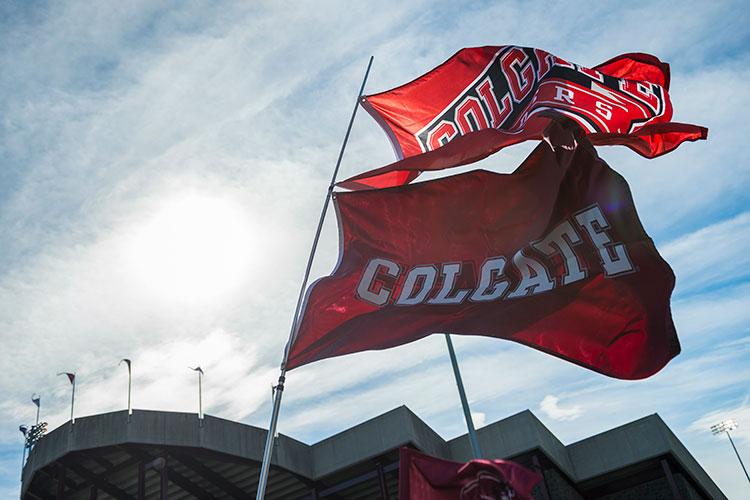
(200, 393)
(72, 380)
(130, 385)
(279, 389)
(37, 400)
(475, 449)
(72, 402)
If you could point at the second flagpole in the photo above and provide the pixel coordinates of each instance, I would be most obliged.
(475, 449)
(279, 389)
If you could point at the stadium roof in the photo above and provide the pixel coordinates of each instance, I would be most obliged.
(103, 456)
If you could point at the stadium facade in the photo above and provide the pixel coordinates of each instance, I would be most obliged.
(171, 455)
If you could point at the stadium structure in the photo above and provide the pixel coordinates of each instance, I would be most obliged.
(158, 455)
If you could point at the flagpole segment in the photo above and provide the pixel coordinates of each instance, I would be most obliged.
(323, 212)
(279, 389)
(476, 450)
(200, 393)
(23, 430)
(72, 404)
(37, 400)
(130, 384)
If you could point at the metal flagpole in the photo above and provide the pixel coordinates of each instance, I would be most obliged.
(279, 389)
(200, 393)
(130, 385)
(72, 379)
(73, 402)
(476, 450)
(37, 400)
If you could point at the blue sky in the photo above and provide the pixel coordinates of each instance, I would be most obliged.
(120, 118)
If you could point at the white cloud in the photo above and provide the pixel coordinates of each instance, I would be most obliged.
(479, 418)
(551, 407)
(711, 256)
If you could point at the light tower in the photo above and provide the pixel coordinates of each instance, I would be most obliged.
(726, 426)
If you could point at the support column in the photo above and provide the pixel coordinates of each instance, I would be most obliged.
(670, 479)
(141, 481)
(93, 492)
(163, 480)
(543, 484)
(382, 483)
(60, 482)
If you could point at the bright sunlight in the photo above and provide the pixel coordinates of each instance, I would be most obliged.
(193, 249)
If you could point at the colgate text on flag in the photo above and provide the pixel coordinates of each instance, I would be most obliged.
(552, 256)
(511, 92)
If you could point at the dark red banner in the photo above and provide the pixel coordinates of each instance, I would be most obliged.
(422, 477)
(552, 256)
(511, 91)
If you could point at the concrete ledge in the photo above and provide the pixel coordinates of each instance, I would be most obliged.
(374, 437)
(169, 429)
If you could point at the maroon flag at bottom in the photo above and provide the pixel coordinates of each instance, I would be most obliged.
(552, 256)
(422, 477)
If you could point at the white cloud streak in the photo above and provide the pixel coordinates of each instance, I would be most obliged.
(712, 256)
(550, 405)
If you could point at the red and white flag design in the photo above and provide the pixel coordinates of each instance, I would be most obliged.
(510, 92)
(552, 256)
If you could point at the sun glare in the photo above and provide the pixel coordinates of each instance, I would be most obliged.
(193, 249)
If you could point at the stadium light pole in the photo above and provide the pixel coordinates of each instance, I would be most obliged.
(724, 427)
(200, 393)
(130, 384)
(24, 430)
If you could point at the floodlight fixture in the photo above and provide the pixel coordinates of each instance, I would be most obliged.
(724, 426)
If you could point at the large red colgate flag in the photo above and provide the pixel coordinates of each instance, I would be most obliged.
(509, 91)
(422, 477)
(552, 256)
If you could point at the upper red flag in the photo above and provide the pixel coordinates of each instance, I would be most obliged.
(511, 91)
(552, 256)
(422, 477)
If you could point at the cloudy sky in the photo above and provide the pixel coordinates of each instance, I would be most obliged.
(163, 164)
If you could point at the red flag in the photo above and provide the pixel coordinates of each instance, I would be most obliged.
(552, 256)
(71, 376)
(511, 91)
(422, 477)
